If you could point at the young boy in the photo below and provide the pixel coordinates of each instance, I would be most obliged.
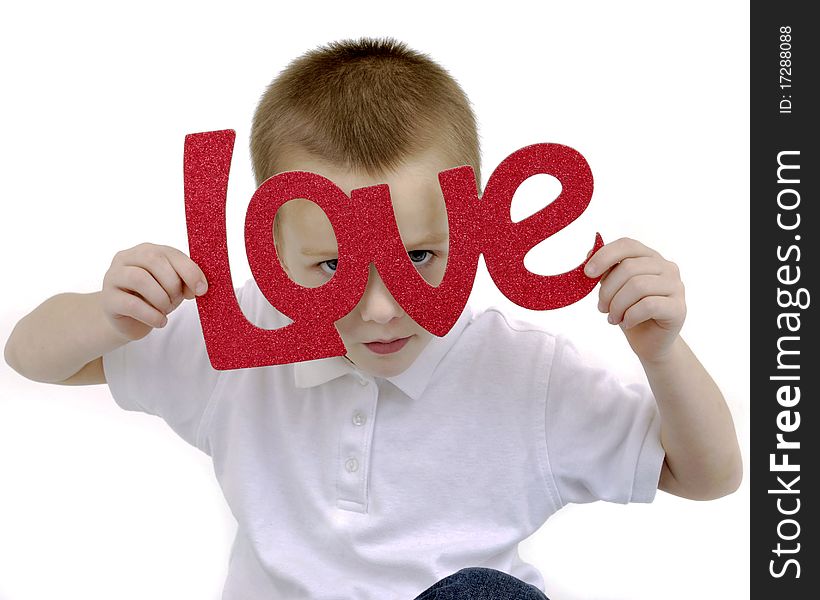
(414, 465)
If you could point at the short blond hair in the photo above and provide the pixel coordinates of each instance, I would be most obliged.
(364, 105)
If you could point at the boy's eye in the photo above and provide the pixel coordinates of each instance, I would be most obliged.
(418, 257)
(329, 266)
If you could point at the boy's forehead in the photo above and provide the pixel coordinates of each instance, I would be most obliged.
(420, 170)
(414, 189)
(418, 217)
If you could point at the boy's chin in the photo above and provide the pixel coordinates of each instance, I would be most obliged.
(383, 371)
(380, 366)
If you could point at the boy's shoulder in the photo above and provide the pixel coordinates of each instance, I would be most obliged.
(495, 321)
(500, 338)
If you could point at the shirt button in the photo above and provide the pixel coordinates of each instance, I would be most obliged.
(352, 465)
(359, 418)
(362, 381)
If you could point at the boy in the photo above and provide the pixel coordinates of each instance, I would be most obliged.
(414, 465)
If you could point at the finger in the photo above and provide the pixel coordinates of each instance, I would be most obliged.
(139, 281)
(125, 304)
(614, 279)
(190, 273)
(661, 309)
(611, 254)
(155, 259)
(166, 274)
(635, 289)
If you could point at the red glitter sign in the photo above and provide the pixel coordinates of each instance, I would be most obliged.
(366, 232)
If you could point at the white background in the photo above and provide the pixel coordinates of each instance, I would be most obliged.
(96, 502)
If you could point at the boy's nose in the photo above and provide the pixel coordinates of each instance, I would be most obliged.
(377, 303)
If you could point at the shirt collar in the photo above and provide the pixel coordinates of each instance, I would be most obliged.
(412, 381)
(316, 372)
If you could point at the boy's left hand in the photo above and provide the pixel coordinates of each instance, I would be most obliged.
(642, 292)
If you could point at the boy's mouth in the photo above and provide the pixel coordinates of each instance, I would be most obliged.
(387, 346)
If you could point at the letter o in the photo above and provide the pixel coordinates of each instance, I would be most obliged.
(787, 191)
(780, 527)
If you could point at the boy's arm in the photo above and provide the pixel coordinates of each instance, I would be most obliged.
(63, 339)
(643, 293)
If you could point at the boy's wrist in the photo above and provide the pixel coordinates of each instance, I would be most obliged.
(105, 336)
(665, 357)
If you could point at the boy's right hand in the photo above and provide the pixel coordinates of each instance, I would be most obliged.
(146, 283)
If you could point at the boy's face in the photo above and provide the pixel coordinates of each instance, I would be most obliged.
(381, 339)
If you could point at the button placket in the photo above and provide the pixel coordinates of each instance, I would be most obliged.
(354, 446)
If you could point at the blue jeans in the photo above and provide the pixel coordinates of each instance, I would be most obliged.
(481, 583)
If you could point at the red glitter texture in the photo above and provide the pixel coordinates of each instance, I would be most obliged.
(366, 232)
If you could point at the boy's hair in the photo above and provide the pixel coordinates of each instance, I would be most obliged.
(363, 105)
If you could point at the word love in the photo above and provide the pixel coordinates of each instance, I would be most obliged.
(366, 232)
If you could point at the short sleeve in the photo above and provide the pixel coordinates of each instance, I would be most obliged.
(167, 373)
(603, 437)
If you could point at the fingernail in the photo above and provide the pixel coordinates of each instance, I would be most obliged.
(200, 288)
(611, 319)
(589, 270)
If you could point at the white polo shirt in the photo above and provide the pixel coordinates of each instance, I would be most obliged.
(346, 486)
